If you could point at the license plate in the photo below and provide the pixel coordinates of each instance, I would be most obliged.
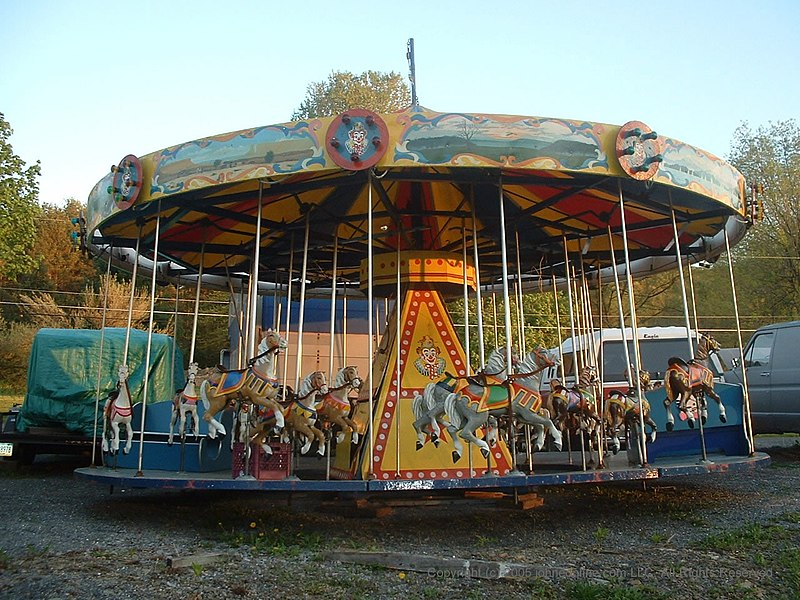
(6, 449)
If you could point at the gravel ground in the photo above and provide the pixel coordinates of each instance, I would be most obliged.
(728, 535)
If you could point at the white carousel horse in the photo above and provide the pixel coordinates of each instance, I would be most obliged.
(257, 384)
(471, 406)
(622, 412)
(335, 406)
(185, 402)
(689, 384)
(299, 416)
(529, 376)
(429, 407)
(117, 411)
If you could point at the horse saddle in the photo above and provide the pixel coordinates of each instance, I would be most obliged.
(493, 395)
(233, 381)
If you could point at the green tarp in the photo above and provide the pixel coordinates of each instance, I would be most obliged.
(63, 370)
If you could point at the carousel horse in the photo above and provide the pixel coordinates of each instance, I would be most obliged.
(185, 402)
(429, 407)
(689, 384)
(472, 406)
(576, 408)
(299, 416)
(257, 384)
(335, 406)
(530, 372)
(118, 411)
(622, 412)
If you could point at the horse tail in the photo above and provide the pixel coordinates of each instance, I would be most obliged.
(204, 394)
(451, 410)
(430, 395)
(416, 406)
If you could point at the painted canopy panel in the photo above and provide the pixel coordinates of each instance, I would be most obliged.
(434, 172)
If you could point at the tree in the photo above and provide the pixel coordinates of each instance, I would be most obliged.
(379, 92)
(19, 191)
(770, 156)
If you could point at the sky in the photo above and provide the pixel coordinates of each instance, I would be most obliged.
(84, 83)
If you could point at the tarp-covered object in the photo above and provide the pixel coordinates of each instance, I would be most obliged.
(63, 369)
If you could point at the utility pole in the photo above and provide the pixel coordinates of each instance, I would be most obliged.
(412, 76)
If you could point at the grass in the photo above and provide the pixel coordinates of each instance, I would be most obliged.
(742, 538)
(272, 540)
(596, 591)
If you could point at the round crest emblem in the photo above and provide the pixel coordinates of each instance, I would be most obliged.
(127, 181)
(357, 139)
(639, 150)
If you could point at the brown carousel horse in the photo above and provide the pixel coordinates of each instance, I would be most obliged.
(622, 412)
(335, 406)
(689, 383)
(299, 416)
(576, 408)
(257, 384)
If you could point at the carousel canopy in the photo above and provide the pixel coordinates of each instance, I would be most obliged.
(419, 181)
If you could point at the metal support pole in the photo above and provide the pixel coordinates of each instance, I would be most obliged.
(676, 239)
(748, 421)
(139, 472)
(100, 352)
(478, 299)
(507, 317)
(634, 324)
(370, 327)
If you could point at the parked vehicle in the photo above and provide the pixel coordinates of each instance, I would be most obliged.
(656, 345)
(773, 377)
(58, 415)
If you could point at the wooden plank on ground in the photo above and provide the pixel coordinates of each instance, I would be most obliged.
(209, 558)
(423, 563)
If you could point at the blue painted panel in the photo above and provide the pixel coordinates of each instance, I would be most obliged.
(725, 438)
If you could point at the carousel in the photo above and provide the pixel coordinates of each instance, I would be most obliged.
(408, 212)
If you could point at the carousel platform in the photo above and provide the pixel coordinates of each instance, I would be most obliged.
(550, 468)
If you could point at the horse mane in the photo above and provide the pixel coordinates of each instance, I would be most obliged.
(496, 361)
(340, 380)
(305, 386)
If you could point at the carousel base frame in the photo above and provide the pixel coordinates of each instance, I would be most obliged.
(551, 469)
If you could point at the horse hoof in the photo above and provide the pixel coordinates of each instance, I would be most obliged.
(690, 422)
(723, 418)
(419, 445)
(485, 453)
(670, 426)
(456, 457)
(703, 419)
(435, 438)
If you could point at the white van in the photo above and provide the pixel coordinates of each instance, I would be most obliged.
(656, 345)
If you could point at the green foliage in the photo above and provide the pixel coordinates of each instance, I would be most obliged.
(595, 591)
(538, 310)
(742, 538)
(19, 191)
(373, 90)
(600, 534)
(770, 156)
